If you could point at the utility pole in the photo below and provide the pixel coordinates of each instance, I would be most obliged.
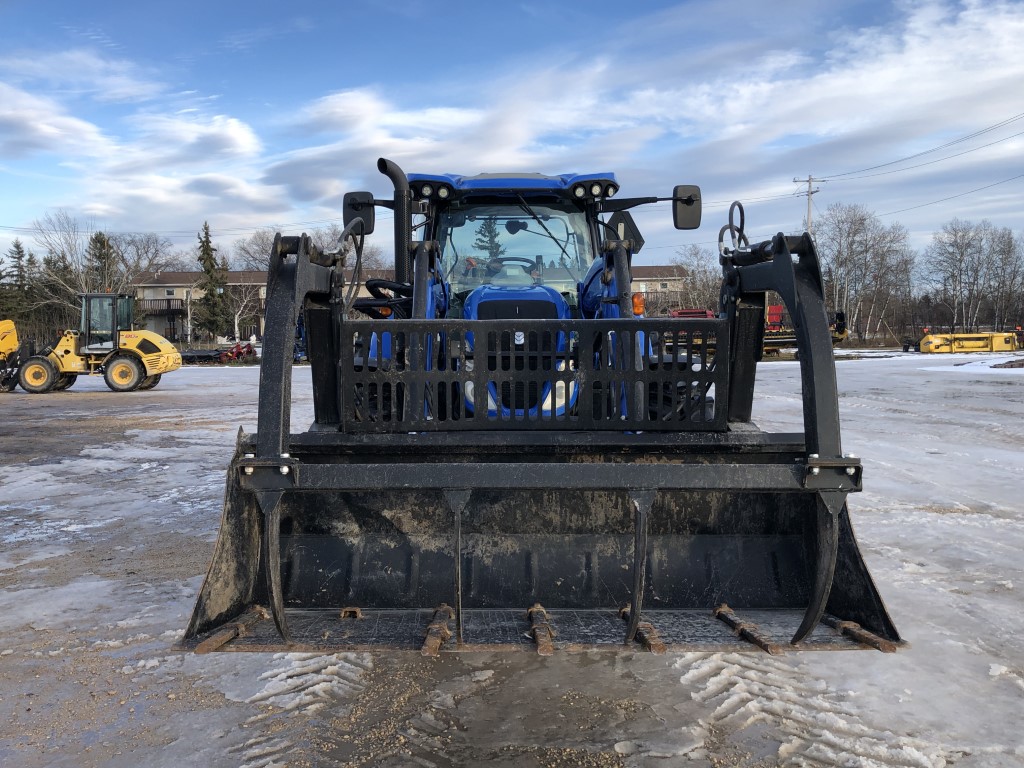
(809, 180)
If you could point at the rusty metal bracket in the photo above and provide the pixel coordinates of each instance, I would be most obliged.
(438, 631)
(855, 631)
(350, 612)
(234, 630)
(541, 630)
(747, 630)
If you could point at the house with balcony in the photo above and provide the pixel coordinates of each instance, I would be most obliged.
(165, 301)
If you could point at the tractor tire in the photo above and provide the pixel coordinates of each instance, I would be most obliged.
(123, 374)
(149, 382)
(64, 381)
(8, 379)
(37, 375)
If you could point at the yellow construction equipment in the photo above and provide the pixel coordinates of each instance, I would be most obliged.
(8, 356)
(104, 344)
(968, 342)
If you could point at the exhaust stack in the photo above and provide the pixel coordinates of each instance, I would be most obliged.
(403, 230)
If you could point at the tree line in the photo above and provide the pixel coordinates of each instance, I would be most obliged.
(969, 278)
(40, 285)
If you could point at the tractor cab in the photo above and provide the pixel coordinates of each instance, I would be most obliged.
(511, 246)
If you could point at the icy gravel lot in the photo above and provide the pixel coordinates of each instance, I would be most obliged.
(109, 508)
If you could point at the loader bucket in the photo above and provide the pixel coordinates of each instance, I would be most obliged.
(652, 514)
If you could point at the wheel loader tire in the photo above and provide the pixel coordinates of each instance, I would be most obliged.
(8, 381)
(149, 382)
(64, 381)
(124, 374)
(37, 375)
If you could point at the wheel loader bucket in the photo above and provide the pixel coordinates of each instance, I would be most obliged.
(415, 515)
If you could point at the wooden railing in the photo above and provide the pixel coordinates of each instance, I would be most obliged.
(162, 306)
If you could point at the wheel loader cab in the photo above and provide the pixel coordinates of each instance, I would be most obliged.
(103, 318)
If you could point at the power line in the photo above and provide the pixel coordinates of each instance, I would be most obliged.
(930, 162)
(953, 197)
(969, 136)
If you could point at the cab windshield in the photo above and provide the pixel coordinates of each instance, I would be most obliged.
(515, 244)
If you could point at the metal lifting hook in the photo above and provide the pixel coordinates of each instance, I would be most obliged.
(736, 233)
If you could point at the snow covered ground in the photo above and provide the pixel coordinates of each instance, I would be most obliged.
(110, 505)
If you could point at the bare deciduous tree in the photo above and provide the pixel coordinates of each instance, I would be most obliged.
(866, 267)
(253, 252)
(77, 261)
(703, 277)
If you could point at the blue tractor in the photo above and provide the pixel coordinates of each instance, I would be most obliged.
(507, 453)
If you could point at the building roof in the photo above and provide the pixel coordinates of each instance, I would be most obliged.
(169, 278)
(662, 272)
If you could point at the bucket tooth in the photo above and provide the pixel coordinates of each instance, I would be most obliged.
(646, 634)
(351, 612)
(855, 631)
(541, 630)
(438, 631)
(747, 630)
(829, 504)
(232, 631)
(270, 506)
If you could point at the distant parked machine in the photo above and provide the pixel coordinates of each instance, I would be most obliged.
(106, 344)
(1005, 341)
(220, 355)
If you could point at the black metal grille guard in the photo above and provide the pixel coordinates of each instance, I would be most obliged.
(622, 375)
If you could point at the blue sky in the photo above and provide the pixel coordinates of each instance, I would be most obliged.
(156, 117)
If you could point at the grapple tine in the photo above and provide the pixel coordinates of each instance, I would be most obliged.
(270, 506)
(642, 501)
(827, 550)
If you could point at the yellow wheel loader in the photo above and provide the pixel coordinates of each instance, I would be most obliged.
(9, 356)
(104, 344)
(506, 454)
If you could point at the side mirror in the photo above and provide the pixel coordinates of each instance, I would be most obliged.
(626, 229)
(686, 206)
(358, 205)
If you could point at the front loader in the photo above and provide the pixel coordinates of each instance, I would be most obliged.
(105, 343)
(507, 454)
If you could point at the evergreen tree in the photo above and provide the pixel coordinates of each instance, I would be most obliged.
(211, 314)
(102, 265)
(17, 275)
(487, 239)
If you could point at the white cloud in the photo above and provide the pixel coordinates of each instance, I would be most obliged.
(82, 72)
(31, 124)
(676, 96)
(185, 139)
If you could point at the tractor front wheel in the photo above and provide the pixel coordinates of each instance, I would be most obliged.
(150, 381)
(64, 381)
(37, 375)
(123, 374)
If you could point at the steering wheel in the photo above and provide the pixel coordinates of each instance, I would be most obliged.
(378, 287)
